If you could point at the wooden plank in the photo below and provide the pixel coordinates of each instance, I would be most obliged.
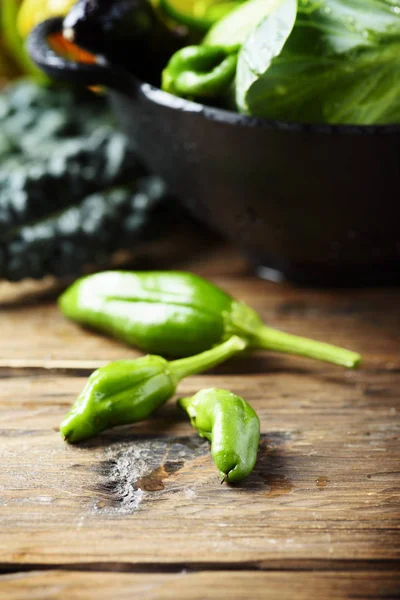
(35, 334)
(369, 324)
(325, 490)
(197, 586)
(326, 485)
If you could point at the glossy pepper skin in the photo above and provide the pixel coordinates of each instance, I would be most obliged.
(122, 392)
(199, 71)
(232, 427)
(175, 314)
(128, 391)
(201, 15)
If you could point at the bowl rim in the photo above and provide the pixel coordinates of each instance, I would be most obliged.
(122, 81)
(221, 115)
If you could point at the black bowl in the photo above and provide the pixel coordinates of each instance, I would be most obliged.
(312, 203)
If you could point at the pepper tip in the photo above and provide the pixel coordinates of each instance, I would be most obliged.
(357, 361)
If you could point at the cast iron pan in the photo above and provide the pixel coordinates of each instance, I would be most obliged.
(315, 204)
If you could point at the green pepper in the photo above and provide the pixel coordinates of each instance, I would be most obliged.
(199, 71)
(198, 14)
(180, 314)
(128, 391)
(232, 427)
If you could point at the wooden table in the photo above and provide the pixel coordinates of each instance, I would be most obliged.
(139, 512)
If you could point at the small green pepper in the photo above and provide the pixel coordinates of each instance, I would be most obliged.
(180, 314)
(199, 71)
(127, 391)
(232, 427)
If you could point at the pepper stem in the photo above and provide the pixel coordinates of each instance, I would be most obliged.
(206, 360)
(279, 341)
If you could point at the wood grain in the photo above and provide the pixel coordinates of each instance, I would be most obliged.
(34, 331)
(326, 484)
(197, 586)
(324, 496)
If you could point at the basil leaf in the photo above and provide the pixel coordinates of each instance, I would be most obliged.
(334, 26)
(360, 87)
(261, 47)
(232, 31)
(340, 64)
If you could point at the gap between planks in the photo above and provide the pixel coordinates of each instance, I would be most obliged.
(253, 363)
(287, 565)
(51, 364)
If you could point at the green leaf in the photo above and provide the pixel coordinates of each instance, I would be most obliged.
(340, 64)
(262, 46)
(232, 31)
(361, 87)
(335, 26)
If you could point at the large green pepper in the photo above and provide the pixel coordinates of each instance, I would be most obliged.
(198, 14)
(127, 391)
(232, 427)
(200, 71)
(180, 314)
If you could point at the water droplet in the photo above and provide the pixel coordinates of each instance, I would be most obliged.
(278, 485)
(281, 90)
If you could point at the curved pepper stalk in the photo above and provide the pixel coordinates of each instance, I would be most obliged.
(128, 391)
